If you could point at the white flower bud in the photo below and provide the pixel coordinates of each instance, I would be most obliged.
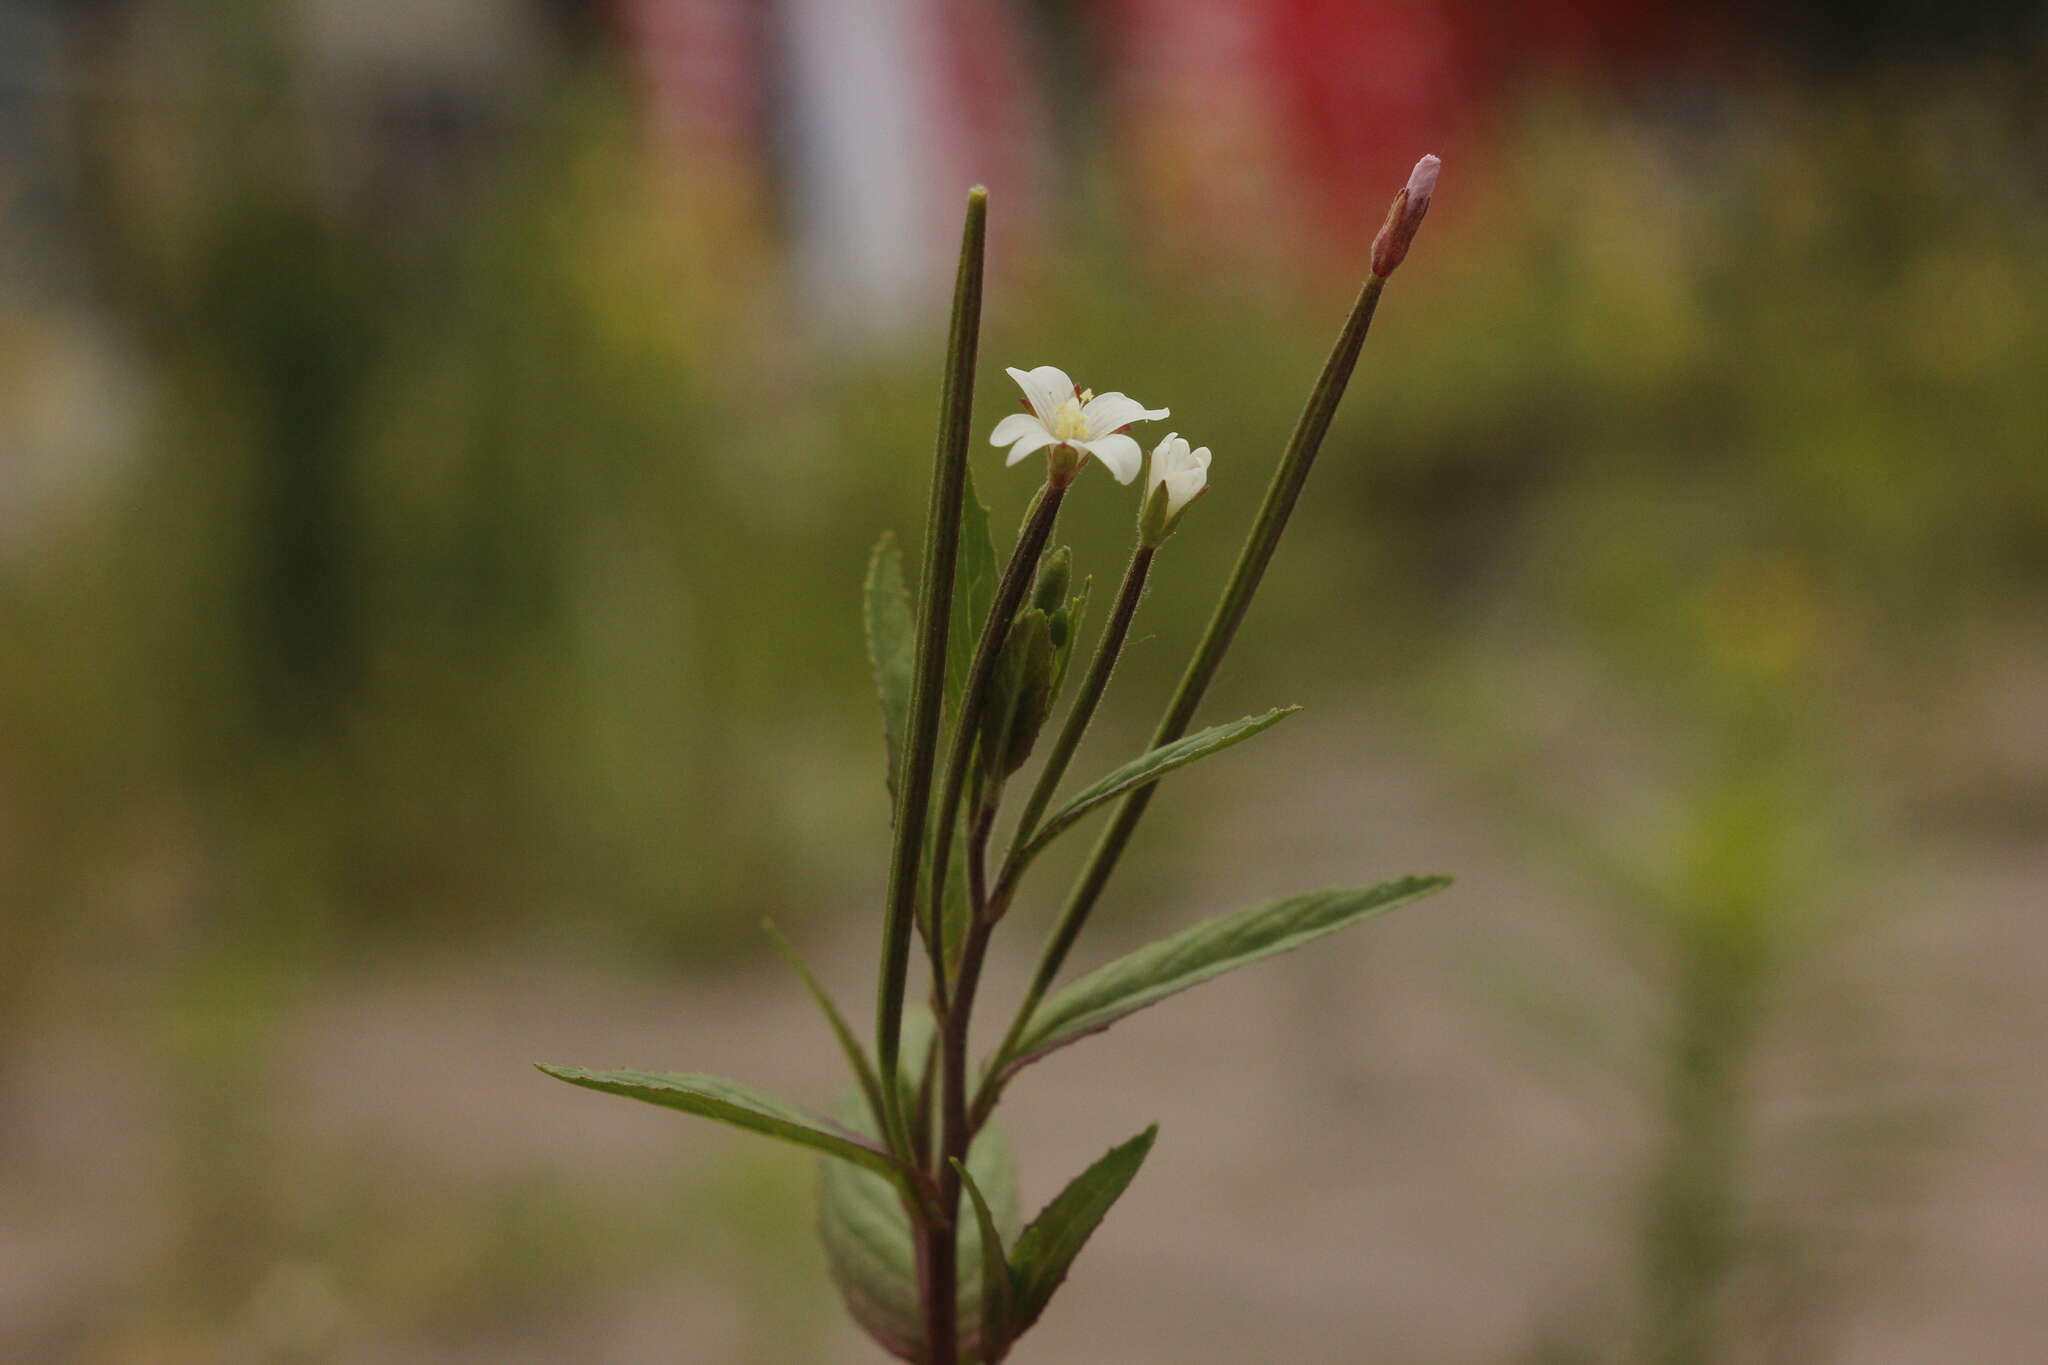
(1178, 476)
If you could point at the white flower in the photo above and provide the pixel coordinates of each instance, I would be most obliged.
(1178, 476)
(1062, 415)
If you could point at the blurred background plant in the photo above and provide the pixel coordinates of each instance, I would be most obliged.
(435, 443)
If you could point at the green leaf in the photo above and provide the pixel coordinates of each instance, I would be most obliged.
(892, 644)
(1048, 1247)
(856, 1056)
(995, 1274)
(712, 1098)
(868, 1245)
(871, 1258)
(1149, 768)
(974, 592)
(1195, 955)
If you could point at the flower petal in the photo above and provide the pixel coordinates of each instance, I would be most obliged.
(1013, 428)
(1046, 387)
(1037, 439)
(1108, 411)
(1166, 457)
(1119, 455)
(1183, 486)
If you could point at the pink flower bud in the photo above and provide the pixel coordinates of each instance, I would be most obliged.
(1390, 248)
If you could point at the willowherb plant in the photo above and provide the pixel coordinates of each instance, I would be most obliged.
(918, 1200)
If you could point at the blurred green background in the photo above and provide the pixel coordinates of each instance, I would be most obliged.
(439, 446)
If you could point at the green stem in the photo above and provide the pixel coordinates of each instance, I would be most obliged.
(1016, 580)
(955, 1007)
(937, 1286)
(941, 552)
(942, 1315)
(1281, 495)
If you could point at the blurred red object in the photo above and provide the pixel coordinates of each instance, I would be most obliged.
(1298, 119)
(1288, 123)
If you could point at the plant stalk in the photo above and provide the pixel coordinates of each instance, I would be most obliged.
(935, 604)
(1016, 581)
(956, 1136)
(954, 1003)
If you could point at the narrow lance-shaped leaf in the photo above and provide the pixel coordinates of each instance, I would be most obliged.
(995, 1274)
(892, 644)
(1048, 1247)
(1195, 955)
(856, 1055)
(712, 1098)
(1149, 768)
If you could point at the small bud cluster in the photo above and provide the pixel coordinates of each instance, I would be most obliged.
(1034, 663)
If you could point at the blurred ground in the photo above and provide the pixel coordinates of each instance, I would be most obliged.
(1353, 1166)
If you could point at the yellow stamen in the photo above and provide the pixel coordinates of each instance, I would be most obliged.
(1067, 423)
